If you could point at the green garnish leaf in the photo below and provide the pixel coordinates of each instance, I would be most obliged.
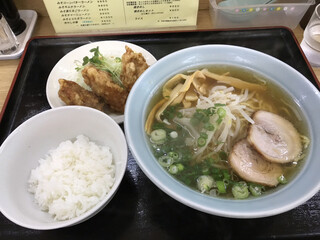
(85, 60)
(111, 65)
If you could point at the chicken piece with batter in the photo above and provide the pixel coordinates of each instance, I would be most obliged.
(102, 85)
(133, 65)
(73, 94)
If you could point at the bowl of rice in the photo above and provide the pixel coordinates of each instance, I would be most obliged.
(61, 167)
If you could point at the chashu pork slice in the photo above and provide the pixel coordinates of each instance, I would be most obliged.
(274, 137)
(252, 167)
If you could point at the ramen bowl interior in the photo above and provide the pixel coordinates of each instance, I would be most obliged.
(301, 187)
(31, 141)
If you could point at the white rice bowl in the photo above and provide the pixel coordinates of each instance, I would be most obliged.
(72, 178)
(32, 140)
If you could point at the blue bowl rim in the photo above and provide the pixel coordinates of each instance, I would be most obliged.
(278, 202)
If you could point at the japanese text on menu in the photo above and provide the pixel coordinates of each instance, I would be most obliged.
(82, 15)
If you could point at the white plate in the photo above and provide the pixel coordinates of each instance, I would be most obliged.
(65, 68)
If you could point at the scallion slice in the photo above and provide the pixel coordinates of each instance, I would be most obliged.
(282, 179)
(180, 166)
(158, 136)
(255, 189)
(174, 155)
(173, 169)
(165, 161)
(240, 190)
(221, 186)
(201, 141)
(205, 183)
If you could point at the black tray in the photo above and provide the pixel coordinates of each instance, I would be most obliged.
(139, 209)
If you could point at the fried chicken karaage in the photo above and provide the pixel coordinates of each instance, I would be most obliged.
(102, 85)
(105, 89)
(73, 94)
(133, 65)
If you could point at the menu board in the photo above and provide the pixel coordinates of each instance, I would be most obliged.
(91, 15)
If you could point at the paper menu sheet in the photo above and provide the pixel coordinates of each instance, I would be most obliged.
(91, 15)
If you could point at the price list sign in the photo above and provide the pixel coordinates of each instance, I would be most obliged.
(96, 15)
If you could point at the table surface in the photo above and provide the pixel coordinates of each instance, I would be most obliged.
(8, 69)
(131, 214)
(44, 27)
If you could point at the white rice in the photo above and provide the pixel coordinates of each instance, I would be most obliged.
(73, 178)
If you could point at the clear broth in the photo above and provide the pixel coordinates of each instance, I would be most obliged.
(280, 100)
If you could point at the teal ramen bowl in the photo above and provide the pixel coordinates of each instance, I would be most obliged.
(301, 188)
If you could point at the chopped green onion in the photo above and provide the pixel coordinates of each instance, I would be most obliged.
(170, 112)
(226, 182)
(158, 136)
(221, 187)
(196, 117)
(174, 155)
(204, 183)
(173, 169)
(219, 120)
(255, 189)
(205, 119)
(282, 179)
(216, 173)
(204, 135)
(221, 112)
(210, 111)
(201, 142)
(158, 125)
(219, 104)
(240, 190)
(165, 161)
(180, 166)
(226, 174)
(208, 126)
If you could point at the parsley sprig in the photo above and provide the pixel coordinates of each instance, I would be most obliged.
(108, 64)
